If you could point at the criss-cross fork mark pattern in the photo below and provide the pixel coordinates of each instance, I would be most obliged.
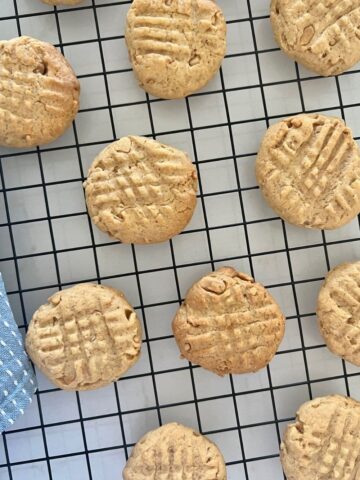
(322, 160)
(327, 28)
(240, 325)
(80, 344)
(12, 97)
(155, 31)
(175, 453)
(330, 22)
(159, 36)
(332, 444)
(128, 182)
(345, 298)
(245, 463)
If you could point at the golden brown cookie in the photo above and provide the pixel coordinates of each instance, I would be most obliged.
(86, 337)
(308, 169)
(324, 441)
(338, 311)
(175, 46)
(228, 323)
(323, 35)
(39, 93)
(175, 452)
(141, 191)
(62, 2)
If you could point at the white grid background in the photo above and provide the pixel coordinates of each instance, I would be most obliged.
(47, 243)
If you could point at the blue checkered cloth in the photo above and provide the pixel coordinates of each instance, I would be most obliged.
(17, 381)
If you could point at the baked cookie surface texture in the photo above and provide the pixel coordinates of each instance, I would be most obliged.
(323, 35)
(324, 441)
(141, 191)
(308, 168)
(175, 46)
(175, 452)
(39, 93)
(85, 337)
(228, 323)
(338, 311)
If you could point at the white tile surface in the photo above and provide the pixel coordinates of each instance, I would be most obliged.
(73, 468)
(103, 433)
(64, 439)
(25, 445)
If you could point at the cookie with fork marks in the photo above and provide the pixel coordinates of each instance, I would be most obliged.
(229, 323)
(324, 441)
(323, 35)
(308, 169)
(39, 93)
(85, 337)
(174, 451)
(338, 311)
(141, 191)
(175, 46)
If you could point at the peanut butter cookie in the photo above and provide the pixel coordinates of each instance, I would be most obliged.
(86, 337)
(175, 452)
(39, 93)
(308, 169)
(338, 311)
(175, 46)
(323, 35)
(141, 191)
(228, 323)
(324, 441)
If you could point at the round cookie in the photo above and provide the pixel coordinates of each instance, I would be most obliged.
(175, 46)
(174, 451)
(308, 169)
(324, 441)
(228, 323)
(322, 35)
(338, 311)
(62, 2)
(141, 191)
(39, 93)
(86, 337)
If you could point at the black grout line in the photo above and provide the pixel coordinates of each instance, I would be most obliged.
(173, 132)
(78, 402)
(179, 265)
(343, 108)
(171, 337)
(151, 119)
(262, 89)
(247, 239)
(78, 180)
(49, 12)
(132, 247)
(43, 434)
(289, 258)
(146, 331)
(343, 115)
(117, 398)
(141, 306)
(19, 286)
(187, 402)
(117, 447)
(208, 239)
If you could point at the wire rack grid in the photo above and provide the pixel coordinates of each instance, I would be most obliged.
(47, 242)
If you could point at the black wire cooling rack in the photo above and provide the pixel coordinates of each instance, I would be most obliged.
(47, 242)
